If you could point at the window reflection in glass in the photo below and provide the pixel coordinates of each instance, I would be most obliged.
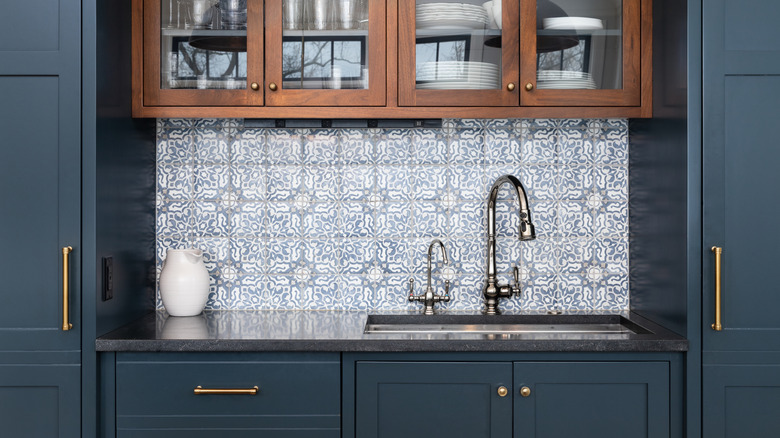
(324, 62)
(191, 67)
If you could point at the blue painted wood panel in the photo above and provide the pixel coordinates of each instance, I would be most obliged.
(37, 401)
(740, 162)
(432, 399)
(741, 401)
(592, 399)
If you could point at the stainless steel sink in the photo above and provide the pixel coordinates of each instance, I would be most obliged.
(502, 324)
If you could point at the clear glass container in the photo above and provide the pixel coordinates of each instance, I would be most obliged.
(325, 44)
(458, 45)
(579, 44)
(203, 44)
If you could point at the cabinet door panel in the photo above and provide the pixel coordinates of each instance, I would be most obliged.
(426, 399)
(572, 399)
(40, 401)
(741, 401)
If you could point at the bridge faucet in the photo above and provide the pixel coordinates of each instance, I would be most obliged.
(493, 291)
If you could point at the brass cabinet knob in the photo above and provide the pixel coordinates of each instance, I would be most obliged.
(502, 391)
(255, 86)
(525, 391)
(510, 86)
(529, 86)
(272, 86)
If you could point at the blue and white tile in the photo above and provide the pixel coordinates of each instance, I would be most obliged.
(467, 220)
(429, 146)
(576, 219)
(576, 293)
(357, 183)
(211, 182)
(282, 293)
(323, 293)
(394, 183)
(323, 256)
(470, 123)
(468, 255)
(611, 146)
(321, 220)
(541, 182)
(173, 150)
(356, 220)
(541, 256)
(248, 147)
(174, 182)
(392, 294)
(284, 182)
(539, 145)
(175, 218)
(320, 147)
(612, 182)
(508, 255)
(612, 293)
(541, 292)
(216, 251)
(251, 292)
(165, 243)
(210, 219)
(495, 171)
(467, 146)
(429, 182)
(211, 146)
(355, 294)
(419, 253)
(356, 147)
(249, 220)
(611, 253)
(498, 123)
(322, 182)
(357, 256)
(284, 147)
(284, 256)
(611, 220)
(575, 146)
(576, 255)
(394, 220)
(393, 146)
(501, 146)
(507, 219)
(576, 182)
(466, 293)
(284, 220)
(467, 182)
(393, 255)
(248, 182)
(430, 219)
(248, 255)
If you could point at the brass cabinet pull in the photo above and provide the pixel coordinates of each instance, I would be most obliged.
(255, 86)
(273, 86)
(66, 325)
(510, 86)
(717, 326)
(199, 390)
(529, 86)
(525, 391)
(502, 391)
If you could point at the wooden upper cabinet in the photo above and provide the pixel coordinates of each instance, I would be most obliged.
(328, 53)
(584, 52)
(195, 56)
(392, 58)
(456, 54)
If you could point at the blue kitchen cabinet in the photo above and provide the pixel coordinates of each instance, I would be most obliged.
(40, 199)
(427, 399)
(285, 395)
(591, 399)
(741, 157)
(510, 399)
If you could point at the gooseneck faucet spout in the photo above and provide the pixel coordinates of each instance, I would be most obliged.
(429, 298)
(493, 291)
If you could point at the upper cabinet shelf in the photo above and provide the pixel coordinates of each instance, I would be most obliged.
(392, 58)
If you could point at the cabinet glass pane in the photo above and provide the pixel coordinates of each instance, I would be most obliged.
(203, 44)
(579, 44)
(458, 44)
(325, 44)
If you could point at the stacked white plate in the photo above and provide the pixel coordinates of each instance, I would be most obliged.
(458, 75)
(575, 23)
(564, 80)
(451, 16)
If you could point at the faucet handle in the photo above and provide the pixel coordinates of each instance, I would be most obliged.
(412, 297)
(516, 278)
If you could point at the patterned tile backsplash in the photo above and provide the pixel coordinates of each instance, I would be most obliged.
(342, 218)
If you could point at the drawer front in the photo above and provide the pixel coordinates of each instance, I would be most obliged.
(155, 391)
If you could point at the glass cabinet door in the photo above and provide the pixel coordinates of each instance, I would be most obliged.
(458, 52)
(210, 52)
(584, 51)
(325, 53)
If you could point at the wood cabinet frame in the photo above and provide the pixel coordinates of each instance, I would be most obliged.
(326, 104)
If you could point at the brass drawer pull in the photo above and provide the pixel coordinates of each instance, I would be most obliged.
(525, 391)
(717, 326)
(66, 325)
(199, 390)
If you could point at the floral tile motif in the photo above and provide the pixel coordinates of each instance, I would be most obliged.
(342, 218)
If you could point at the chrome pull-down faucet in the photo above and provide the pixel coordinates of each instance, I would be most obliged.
(493, 291)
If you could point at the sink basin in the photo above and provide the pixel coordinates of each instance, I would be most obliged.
(502, 324)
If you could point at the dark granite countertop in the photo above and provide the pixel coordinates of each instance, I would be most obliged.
(235, 330)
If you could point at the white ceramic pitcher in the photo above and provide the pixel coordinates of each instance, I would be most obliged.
(184, 282)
